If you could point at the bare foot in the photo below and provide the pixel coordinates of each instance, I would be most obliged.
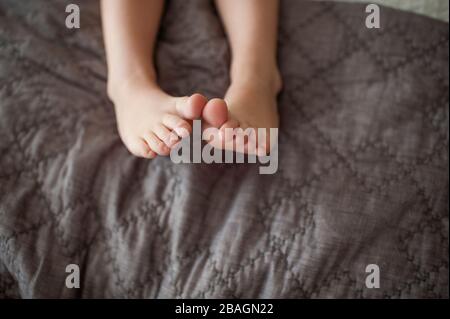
(252, 103)
(151, 122)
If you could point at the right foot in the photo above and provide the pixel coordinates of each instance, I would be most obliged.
(151, 122)
(251, 102)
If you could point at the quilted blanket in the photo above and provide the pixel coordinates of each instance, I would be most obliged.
(362, 178)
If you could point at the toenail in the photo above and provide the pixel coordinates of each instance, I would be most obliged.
(173, 139)
(181, 131)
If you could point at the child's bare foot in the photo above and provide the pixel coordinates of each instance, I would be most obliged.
(252, 103)
(150, 121)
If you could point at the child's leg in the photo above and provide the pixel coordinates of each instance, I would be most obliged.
(252, 28)
(149, 120)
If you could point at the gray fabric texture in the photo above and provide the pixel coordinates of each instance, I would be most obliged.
(363, 176)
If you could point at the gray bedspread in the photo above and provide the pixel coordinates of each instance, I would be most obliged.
(362, 179)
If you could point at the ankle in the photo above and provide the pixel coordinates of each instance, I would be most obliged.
(119, 90)
(267, 76)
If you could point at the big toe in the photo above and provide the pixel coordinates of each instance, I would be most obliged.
(191, 108)
(215, 112)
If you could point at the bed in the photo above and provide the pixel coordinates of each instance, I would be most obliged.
(362, 178)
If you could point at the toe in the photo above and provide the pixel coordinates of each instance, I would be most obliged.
(140, 148)
(264, 142)
(245, 140)
(227, 130)
(226, 135)
(164, 134)
(191, 107)
(215, 112)
(175, 123)
(156, 145)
